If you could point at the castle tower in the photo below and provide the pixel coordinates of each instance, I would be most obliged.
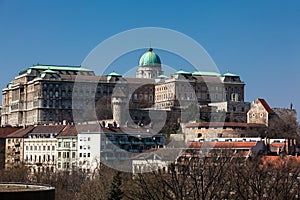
(119, 102)
(149, 65)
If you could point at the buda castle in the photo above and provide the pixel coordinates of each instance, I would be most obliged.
(48, 94)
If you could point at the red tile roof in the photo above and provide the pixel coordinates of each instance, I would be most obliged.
(5, 131)
(277, 145)
(266, 106)
(222, 144)
(224, 124)
(68, 131)
(48, 129)
(21, 132)
(278, 161)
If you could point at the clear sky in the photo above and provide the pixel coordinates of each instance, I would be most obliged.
(259, 40)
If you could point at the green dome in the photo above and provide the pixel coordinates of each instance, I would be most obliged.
(149, 58)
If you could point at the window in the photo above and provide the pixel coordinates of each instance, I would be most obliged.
(89, 139)
(59, 154)
(74, 144)
(80, 155)
(59, 165)
(207, 96)
(59, 144)
(88, 155)
(199, 87)
(45, 93)
(53, 148)
(73, 155)
(80, 147)
(67, 144)
(48, 148)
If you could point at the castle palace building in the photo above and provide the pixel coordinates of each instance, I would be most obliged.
(48, 94)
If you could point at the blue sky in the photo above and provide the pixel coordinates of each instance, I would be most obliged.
(259, 40)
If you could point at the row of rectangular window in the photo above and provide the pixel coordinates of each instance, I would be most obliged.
(40, 158)
(66, 144)
(84, 155)
(66, 155)
(40, 148)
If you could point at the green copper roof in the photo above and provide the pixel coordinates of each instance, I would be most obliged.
(114, 74)
(162, 76)
(49, 71)
(56, 68)
(201, 73)
(149, 58)
(230, 74)
(183, 72)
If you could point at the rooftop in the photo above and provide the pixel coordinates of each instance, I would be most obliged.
(234, 145)
(149, 58)
(266, 106)
(59, 67)
(223, 124)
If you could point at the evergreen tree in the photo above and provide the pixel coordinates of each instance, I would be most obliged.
(116, 193)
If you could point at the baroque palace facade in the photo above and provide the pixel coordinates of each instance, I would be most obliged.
(46, 94)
